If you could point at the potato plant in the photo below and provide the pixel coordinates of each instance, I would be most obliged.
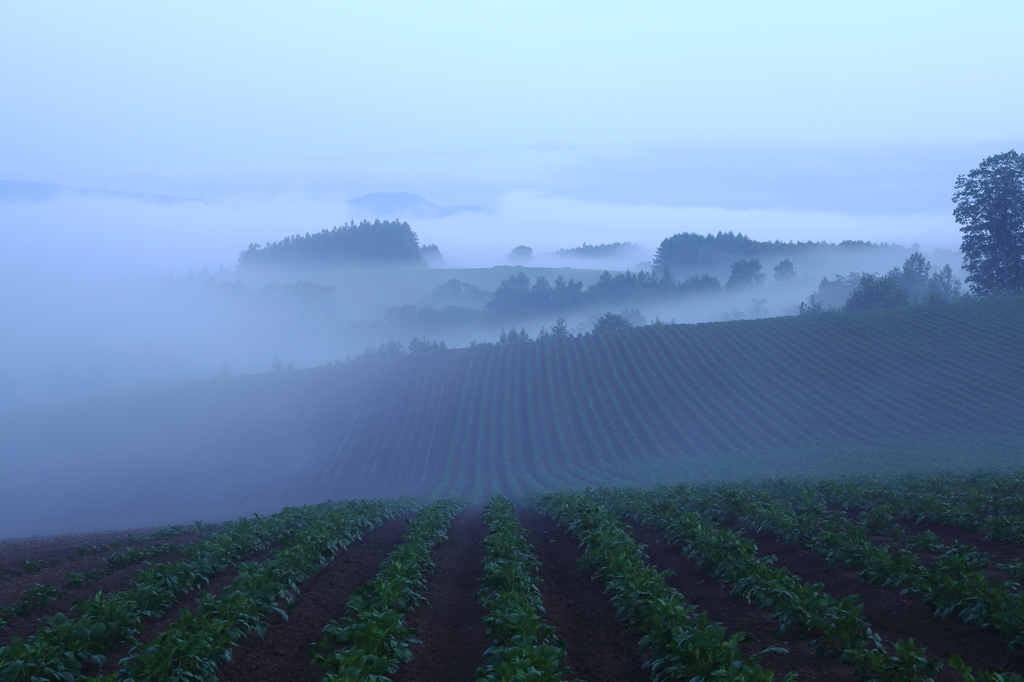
(523, 646)
(373, 641)
(681, 642)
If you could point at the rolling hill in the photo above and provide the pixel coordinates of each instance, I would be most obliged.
(911, 388)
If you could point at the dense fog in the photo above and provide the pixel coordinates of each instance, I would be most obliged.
(105, 293)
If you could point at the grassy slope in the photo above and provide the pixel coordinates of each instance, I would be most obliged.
(929, 386)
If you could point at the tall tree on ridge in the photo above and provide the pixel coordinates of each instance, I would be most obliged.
(990, 210)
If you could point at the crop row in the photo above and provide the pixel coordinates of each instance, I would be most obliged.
(374, 640)
(681, 642)
(194, 645)
(837, 625)
(523, 645)
(953, 583)
(68, 645)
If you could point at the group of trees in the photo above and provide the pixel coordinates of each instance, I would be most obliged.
(688, 251)
(990, 211)
(912, 283)
(373, 243)
(516, 297)
(599, 250)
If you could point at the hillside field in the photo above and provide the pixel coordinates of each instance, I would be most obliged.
(900, 389)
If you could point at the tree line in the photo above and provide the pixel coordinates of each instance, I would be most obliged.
(378, 242)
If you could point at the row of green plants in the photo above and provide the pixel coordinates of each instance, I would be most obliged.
(836, 624)
(373, 641)
(808, 512)
(679, 641)
(989, 503)
(523, 646)
(194, 645)
(39, 595)
(954, 583)
(67, 646)
(33, 598)
(32, 566)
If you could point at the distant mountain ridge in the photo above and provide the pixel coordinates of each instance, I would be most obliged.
(405, 205)
(17, 191)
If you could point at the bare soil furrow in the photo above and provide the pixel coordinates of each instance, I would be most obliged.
(285, 652)
(450, 623)
(897, 616)
(598, 648)
(736, 614)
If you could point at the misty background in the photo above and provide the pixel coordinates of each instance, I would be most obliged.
(145, 147)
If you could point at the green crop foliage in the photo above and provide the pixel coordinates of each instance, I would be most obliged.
(374, 640)
(811, 513)
(65, 647)
(681, 642)
(523, 646)
(195, 644)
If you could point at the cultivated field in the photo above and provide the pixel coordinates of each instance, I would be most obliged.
(904, 578)
(899, 389)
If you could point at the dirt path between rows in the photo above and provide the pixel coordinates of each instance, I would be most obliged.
(450, 623)
(285, 652)
(896, 616)
(598, 648)
(736, 614)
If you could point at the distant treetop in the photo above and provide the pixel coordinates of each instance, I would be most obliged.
(598, 250)
(377, 242)
(688, 250)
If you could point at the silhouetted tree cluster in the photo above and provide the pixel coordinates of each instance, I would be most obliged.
(376, 242)
(745, 273)
(610, 322)
(515, 297)
(598, 250)
(521, 254)
(785, 270)
(688, 250)
(877, 291)
(912, 283)
(394, 348)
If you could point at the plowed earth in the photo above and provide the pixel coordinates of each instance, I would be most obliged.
(599, 649)
(58, 558)
(900, 389)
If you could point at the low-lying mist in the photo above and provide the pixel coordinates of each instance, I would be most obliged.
(105, 295)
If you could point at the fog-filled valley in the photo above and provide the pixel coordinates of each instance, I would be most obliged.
(110, 293)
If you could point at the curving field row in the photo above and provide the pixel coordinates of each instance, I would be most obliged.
(898, 389)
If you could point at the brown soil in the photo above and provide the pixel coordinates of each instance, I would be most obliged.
(450, 622)
(598, 648)
(896, 616)
(12, 587)
(187, 602)
(736, 614)
(284, 653)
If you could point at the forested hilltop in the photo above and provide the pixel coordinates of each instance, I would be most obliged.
(896, 389)
(376, 243)
(689, 251)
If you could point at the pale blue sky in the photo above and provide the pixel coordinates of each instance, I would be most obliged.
(854, 108)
